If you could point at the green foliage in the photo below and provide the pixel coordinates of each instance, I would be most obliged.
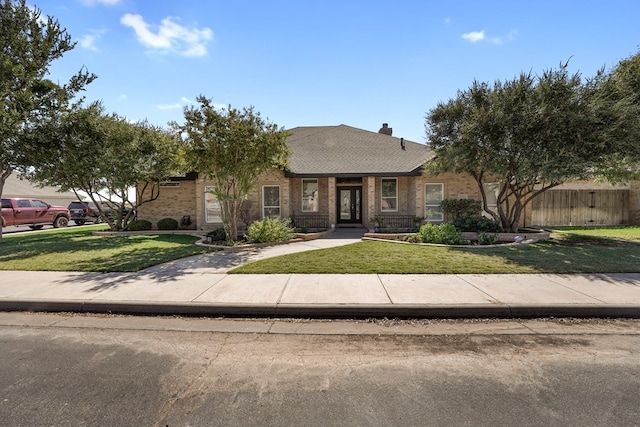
(87, 150)
(487, 239)
(413, 238)
(445, 234)
(217, 235)
(530, 134)
(167, 224)
(477, 224)
(456, 208)
(269, 230)
(233, 148)
(29, 43)
(139, 225)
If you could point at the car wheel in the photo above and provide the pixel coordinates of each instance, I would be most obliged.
(36, 227)
(79, 222)
(61, 222)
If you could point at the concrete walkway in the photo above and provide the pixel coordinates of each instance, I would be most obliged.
(200, 285)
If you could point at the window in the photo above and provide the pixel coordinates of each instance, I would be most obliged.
(309, 195)
(39, 204)
(491, 190)
(24, 203)
(271, 201)
(434, 193)
(212, 209)
(389, 202)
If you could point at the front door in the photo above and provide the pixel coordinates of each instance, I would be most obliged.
(349, 205)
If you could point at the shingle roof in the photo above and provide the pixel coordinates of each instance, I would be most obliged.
(344, 150)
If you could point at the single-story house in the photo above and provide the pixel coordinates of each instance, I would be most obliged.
(16, 187)
(341, 176)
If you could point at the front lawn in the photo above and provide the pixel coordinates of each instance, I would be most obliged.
(627, 233)
(76, 249)
(569, 253)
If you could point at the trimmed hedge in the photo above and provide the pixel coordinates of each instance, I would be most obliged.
(139, 225)
(167, 224)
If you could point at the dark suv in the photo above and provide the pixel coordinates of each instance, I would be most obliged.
(82, 212)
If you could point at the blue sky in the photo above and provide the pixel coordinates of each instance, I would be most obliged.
(316, 63)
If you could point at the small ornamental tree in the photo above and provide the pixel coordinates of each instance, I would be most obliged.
(29, 43)
(233, 148)
(104, 156)
(529, 134)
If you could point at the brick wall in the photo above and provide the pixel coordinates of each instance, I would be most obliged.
(172, 202)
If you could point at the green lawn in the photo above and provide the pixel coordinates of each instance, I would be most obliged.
(76, 249)
(566, 253)
(628, 233)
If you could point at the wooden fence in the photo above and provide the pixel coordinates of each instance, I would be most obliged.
(581, 207)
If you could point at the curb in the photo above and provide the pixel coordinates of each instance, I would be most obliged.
(328, 311)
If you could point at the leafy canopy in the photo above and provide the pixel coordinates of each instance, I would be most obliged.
(233, 148)
(104, 156)
(529, 134)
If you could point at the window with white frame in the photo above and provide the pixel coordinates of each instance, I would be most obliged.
(389, 195)
(271, 201)
(309, 195)
(434, 194)
(491, 191)
(212, 209)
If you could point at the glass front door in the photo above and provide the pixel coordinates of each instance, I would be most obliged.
(350, 205)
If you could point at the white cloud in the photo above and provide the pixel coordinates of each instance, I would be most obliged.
(478, 36)
(169, 36)
(88, 41)
(104, 2)
(169, 106)
(474, 36)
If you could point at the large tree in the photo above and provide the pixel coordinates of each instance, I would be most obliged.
(29, 43)
(233, 148)
(617, 106)
(104, 156)
(529, 134)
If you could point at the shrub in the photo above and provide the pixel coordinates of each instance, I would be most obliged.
(477, 224)
(459, 208)
(167, 224)
(445, 234)
(139, 225)
(217, 235)
(269, 230)
(412, 238)
(487, 239)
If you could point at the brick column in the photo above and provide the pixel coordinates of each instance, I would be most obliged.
(419, 196)
(371, 200)
(331, 197)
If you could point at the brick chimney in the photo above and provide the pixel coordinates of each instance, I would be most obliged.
(385, 129)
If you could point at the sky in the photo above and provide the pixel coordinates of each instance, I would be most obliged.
(328, 62)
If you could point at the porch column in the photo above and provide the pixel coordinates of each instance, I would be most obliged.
(331, 197)
(371, 200)
(419, 196)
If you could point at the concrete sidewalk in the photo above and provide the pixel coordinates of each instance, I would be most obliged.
(201, 286)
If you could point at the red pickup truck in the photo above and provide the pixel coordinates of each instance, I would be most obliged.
(34, 213)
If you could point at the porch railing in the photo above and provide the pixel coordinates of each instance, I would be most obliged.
(398, 221)
(310, 221)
